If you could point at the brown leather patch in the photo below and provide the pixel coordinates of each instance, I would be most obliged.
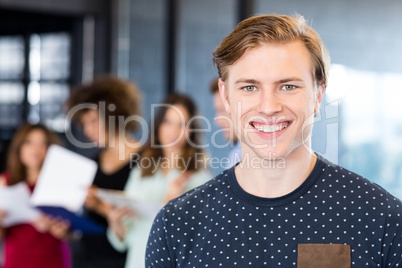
(323, 256)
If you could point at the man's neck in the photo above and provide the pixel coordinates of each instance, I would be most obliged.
(278, 177)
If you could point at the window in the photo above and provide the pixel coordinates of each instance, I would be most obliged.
(370, 124)
(11, 76)
(34, 79)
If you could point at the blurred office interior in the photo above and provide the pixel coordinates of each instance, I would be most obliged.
(47, 46)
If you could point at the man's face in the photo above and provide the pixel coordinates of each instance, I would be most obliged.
(271, 97)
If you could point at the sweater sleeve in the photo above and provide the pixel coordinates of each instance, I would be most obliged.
(158, 252)
(392, 246)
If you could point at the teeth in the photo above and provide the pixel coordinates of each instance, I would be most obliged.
(270, 129)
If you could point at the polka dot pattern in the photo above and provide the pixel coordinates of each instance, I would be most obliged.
(220, 225)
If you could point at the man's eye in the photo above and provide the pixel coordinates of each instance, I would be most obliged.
(249, 88)
(288, 87)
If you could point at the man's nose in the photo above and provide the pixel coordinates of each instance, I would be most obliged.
(269, 103)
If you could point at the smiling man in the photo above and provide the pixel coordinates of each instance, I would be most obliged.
(282, 205)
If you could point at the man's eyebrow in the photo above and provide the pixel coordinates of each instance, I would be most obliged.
(256, 82)
(247, 81)
(295, 79)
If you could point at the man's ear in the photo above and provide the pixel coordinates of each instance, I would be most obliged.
(319, 95)
(223, 91)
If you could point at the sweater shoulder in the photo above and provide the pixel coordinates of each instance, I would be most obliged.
(355, 184)
(199, 195)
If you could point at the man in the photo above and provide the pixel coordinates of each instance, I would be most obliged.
(223, 120)
(283, 205)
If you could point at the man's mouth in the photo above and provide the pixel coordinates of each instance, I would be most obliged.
(269, 128)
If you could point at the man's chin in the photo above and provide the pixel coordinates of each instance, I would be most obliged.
(264, 160)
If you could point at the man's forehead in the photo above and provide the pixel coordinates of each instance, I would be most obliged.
(284, 61)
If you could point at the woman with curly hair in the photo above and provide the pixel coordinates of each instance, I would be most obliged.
(107, 111)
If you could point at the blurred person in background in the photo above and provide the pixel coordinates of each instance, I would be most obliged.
(223, 120)
(172, 163)
(106, 110)
(36, 244)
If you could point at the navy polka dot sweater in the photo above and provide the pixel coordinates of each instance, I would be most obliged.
(220, 225)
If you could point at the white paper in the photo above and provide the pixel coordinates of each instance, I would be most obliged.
(64, 179)
(119, 199)
(15, 201)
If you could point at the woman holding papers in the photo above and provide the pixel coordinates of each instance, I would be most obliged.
(107, 110)
(171, 164)
(31, 244)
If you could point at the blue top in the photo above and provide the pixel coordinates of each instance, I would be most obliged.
(220, 225)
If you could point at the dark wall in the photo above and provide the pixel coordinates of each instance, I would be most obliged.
(59, 7)
(143, 50)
